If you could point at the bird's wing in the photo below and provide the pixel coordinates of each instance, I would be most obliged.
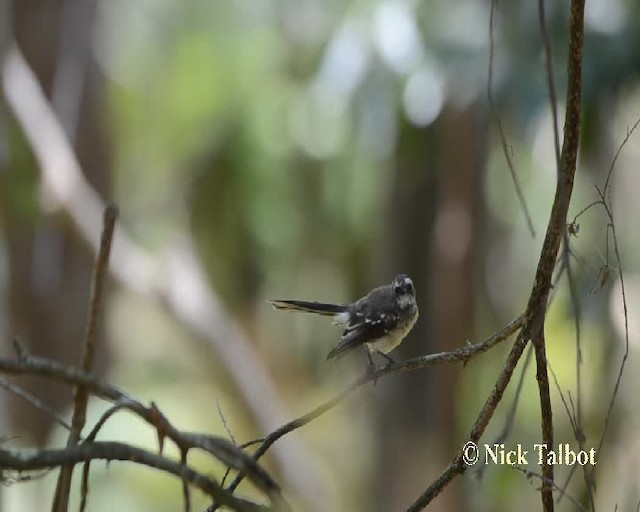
(368, 329)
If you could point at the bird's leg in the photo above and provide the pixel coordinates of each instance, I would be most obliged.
(390, 360)
(371, 367)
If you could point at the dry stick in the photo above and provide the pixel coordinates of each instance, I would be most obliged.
(577, 315)
(503, 138)
(220, 448)
(571, 414)
(35, 401)
(457, 466)
(186, 493)
(84, 487)
(33, 365)
(511, 415)
(137, 270)
(463, 354)
(539, 344)
(550, 82)
(51, 369)
(575, 417)
(530, 474)
(21, 460)
(607, 183)
(566, 164)
(626, 326)
(61, 499)
(536, 307)
(537, 335)
(605, 200)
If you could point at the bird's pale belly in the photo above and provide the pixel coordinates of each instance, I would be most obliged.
(387, 343)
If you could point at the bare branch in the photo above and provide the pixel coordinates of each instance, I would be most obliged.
(607, 184)
(536, 308)
(463, 354)
(626, 323)
(61, 499)
(220, 448)
(529, 474)
(550, 81)
(21, 460)
(136, 269)
(494, 111)
(35, 401)
(511, 415)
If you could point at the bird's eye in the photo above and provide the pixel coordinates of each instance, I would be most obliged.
(397, 289)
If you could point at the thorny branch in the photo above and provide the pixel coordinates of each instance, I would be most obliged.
(222, 449)
(21, 460)
(218, 447)
(137, 270)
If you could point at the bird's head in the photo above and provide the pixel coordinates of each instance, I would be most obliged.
(403, 289)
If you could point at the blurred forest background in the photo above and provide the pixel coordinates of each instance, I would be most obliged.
(314, 150)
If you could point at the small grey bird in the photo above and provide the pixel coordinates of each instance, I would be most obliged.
(380, 320)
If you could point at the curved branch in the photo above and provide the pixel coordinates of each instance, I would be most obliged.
(220, 448)
(463, 354)
(533, 328)
(181, 288)
(21, 460)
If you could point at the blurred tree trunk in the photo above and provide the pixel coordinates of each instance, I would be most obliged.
(49, 271)
(435, 212)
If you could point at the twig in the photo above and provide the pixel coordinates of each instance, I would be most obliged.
(550, 82)
(536, 307)
(61, 499)
(463, 354)
(220, 448)
(137, 270)
(84, 487)
(457, 466)
(566, 163)
(186, 492)
(529, 474)
(607, 182)
(231, 436)
(21, 460)
(511, 415)
(494, 111)
(575, 416)
(35, 401)
(539, 345)
(51, 369)
(224, 422)
(626, 325)
(577, 315)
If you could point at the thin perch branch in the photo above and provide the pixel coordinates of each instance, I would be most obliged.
(463, 354)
